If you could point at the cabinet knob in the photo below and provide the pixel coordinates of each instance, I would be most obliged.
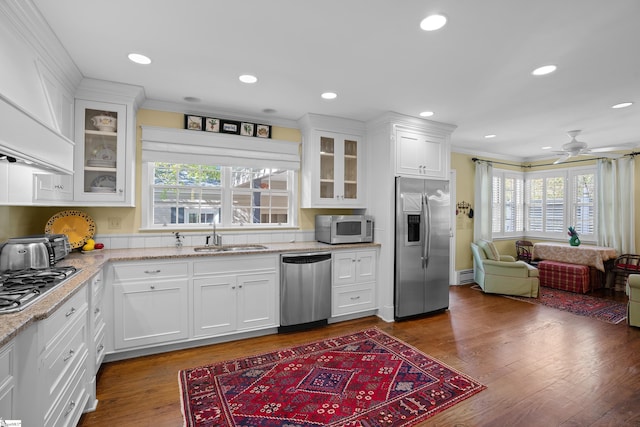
(152, 287)
(120, 190)
(70, 312)
(239, 286)
(355, 298)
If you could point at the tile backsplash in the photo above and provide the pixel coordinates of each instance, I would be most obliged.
(165, 239)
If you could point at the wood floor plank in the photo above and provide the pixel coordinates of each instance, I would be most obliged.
(542, 367)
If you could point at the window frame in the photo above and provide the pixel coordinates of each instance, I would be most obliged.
(568, 175)
(504, 175)
(226, 189)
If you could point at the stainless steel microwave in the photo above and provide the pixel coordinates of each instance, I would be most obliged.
(336, 229)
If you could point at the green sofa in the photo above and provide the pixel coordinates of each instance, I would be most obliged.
(502, 274)
(633, 309)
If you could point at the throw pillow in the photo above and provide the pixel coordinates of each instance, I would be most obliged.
(489, 250)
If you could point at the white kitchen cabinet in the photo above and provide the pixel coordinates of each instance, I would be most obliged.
(333, 156)
(421, 154)
(234, 295)
(49, 187)
(354, 281)
(62, 367)
(8, 394)
(96, 342)
(150, 303)
(105, 136)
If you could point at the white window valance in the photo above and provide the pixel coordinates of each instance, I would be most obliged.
(207, 148)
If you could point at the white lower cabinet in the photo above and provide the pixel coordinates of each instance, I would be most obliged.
(234, 295)
(354, 282)
(7, 381)
(62, 366)
(150, 303)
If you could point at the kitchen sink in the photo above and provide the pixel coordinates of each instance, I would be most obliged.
(236, 248)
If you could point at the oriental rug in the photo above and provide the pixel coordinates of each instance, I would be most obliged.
(580, 304)
(367, 378)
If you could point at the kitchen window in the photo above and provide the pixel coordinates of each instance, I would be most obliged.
(191, 179)
(191, 195)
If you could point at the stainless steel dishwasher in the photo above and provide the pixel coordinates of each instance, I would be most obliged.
(305, 290)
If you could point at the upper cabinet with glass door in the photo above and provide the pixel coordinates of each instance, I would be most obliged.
(105, 144)
(333, 163)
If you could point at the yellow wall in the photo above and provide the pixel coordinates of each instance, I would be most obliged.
(21, 221)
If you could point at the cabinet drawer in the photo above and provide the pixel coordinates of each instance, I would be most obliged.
(244, 264)
(68, 409)
(6, 364)
(65, 315)
(164, 270)
(97, 287)
(352, 299)
(99, 347)
(63, 358)
(97, 317)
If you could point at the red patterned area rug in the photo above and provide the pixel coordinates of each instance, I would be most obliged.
(363, 379)
(582, 305)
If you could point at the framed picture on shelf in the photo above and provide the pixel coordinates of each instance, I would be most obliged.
(211, 124)
(247, 129)
(192, 122)
(263, 131)
(229, 126)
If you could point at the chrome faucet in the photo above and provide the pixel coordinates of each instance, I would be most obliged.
(217, 238)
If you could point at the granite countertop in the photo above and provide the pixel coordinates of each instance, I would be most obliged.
(90, 263)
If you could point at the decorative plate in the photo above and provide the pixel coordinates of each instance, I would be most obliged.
(105, 154)
(77, 225)
(104, 181)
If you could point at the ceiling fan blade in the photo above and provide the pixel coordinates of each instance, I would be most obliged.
(562, 159)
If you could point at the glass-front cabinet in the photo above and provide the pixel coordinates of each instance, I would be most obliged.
(100, 153)
(338, 168)
(333, 163)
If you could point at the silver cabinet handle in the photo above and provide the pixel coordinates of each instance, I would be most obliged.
(355, 298)
(72, 405)
(152, 271)
(70, 312)
(239, 286)
(100, 348)
(97, 310)
(69, 355)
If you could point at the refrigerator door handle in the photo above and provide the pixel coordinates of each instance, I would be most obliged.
(426, 241)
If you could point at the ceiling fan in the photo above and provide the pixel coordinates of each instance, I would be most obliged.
(575, 148)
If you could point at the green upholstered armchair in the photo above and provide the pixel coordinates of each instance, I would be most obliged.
(633, 309)
(502, 274)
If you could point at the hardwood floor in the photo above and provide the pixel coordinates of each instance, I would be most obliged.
(542, 367)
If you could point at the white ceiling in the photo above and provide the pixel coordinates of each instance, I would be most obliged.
(474, 73)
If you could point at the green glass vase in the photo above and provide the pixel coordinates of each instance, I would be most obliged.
(574, 241)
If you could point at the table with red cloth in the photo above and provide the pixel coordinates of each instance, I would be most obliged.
(598, 258)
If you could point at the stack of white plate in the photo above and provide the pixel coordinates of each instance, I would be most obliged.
(101, 163)
(102, 190)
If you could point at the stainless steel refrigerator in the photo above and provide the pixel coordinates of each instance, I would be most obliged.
(422, 235)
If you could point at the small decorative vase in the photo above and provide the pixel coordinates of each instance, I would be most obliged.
(574, 241)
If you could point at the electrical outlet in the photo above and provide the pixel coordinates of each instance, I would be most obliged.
(114, 223)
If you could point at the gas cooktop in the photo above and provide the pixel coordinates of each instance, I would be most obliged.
(21, 288)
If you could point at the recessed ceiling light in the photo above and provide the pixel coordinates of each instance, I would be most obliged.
(329, 95)
(548, 147)
(426, 114)
(491, 135)
(248, 78)
(433, 22)
(269, 111)
(623, 105)
(139, 58)
(544, 70)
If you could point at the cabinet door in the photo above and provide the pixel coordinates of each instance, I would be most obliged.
(150, 313)
(420, 154)
(100, 152)
(214, 305)
(53, 187)
(256, 300)
(365, 266)
(339, 172)
(7, 381)
(344, 268)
